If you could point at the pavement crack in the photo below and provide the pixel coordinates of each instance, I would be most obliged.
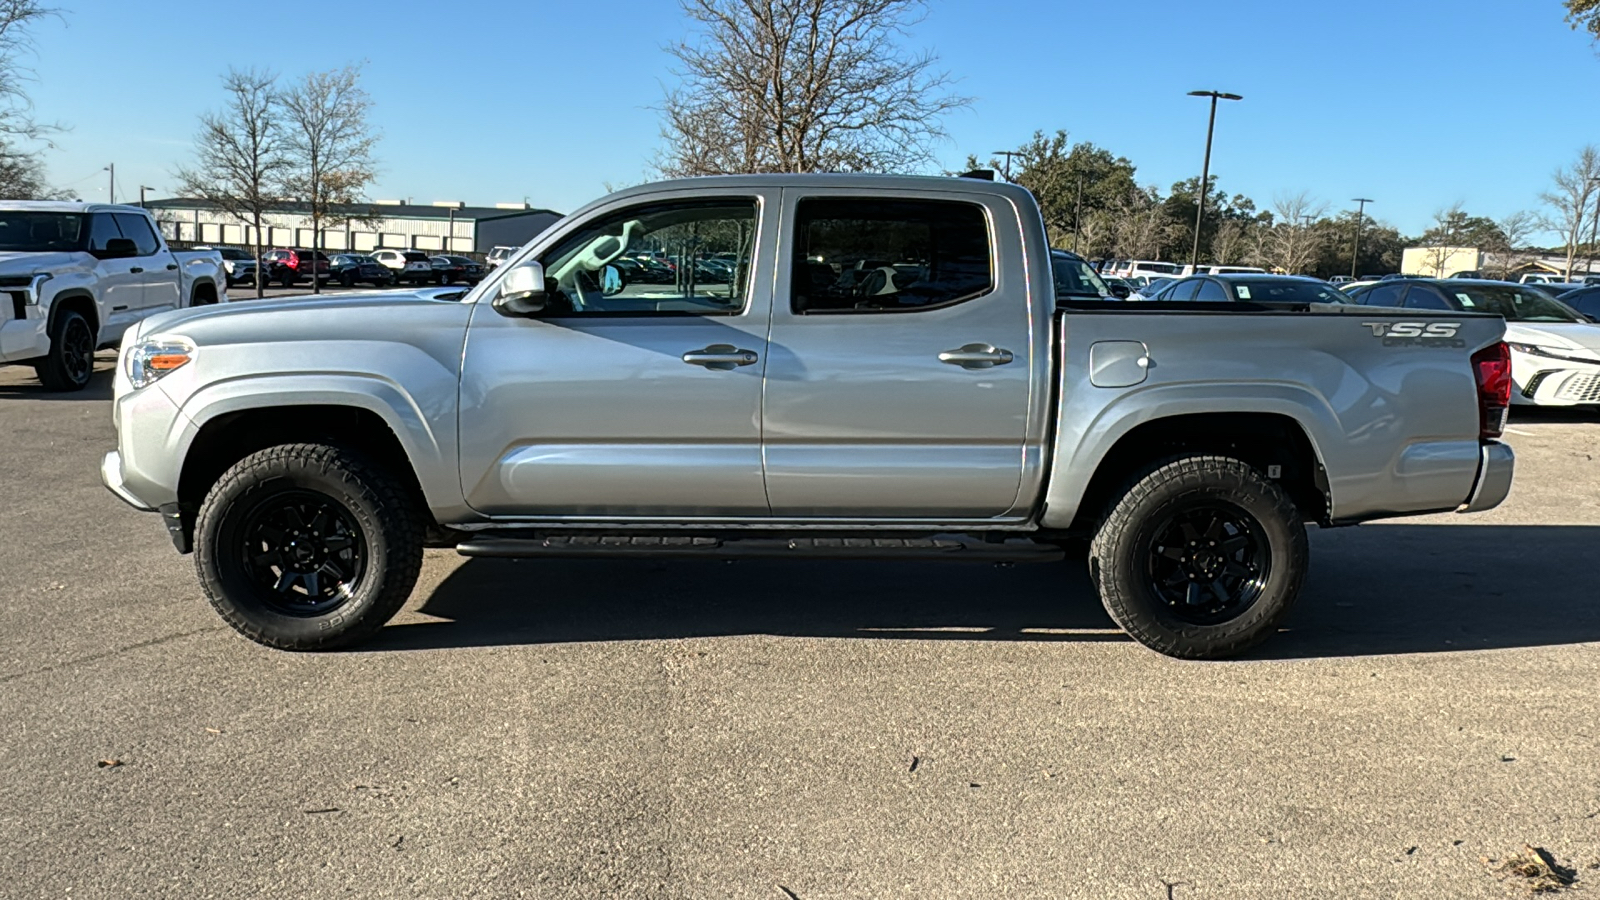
(95, 657)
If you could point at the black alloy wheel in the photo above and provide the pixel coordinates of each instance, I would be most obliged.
(1209, 563)
(348, 279)
(70, 362)
(303, 552)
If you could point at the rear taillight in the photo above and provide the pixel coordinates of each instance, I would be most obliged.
(1492, 366)
(293, 261)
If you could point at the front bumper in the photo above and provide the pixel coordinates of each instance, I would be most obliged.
(23, 339)
(1495, 466)
(1540, 381)
(111, 477)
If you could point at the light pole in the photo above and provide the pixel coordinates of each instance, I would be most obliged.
(1205, 170)
(142, 189)
(111, 189)
(1355, 254)
(1007, 154)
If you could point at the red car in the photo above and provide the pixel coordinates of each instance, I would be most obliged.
(289, 266)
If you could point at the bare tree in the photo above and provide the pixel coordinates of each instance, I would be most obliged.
(17, 17)
(1444, 240)
(1568, 203)
(1517, 227)
(330, 144)
(1229, 243)
(240, 156)
(1290, 243)
(802, 86)
(22, 176)
(1140, 224)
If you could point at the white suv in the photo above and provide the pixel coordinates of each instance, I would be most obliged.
(407, 265)
(499, 255)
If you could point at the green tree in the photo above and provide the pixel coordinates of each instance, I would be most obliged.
(1059, 172)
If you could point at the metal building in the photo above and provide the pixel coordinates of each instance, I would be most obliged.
(439, 227)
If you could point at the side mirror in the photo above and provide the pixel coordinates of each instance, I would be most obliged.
(120, 248)
(612, 281)
(1120, 291)
(521, 292)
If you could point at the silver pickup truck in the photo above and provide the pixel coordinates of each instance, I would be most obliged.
(797, 367)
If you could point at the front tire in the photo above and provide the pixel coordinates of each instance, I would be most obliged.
(307, 547)
(1201, 558)
(70, 362)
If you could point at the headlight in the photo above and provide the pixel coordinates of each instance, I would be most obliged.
(148, 361)
(1553, 353)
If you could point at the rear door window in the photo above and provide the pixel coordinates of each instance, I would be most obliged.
(1422, 296)
(875, 256)
(1183, 290)
(1211, 292)
(1384, 294)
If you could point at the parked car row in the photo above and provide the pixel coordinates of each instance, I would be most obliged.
(380, 268)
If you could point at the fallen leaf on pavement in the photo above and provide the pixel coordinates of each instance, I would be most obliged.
(109, 763)
(1537, 870)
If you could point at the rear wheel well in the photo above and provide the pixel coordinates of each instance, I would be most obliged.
(1261, 440)
(231, 437)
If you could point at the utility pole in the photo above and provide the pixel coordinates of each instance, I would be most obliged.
(1205, 170)
(1077, 216)
(1355, 254)
(1007, 154)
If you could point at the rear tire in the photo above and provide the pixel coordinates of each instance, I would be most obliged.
(348, 279)
(70, 361)
(307, 547)
(1201, 558)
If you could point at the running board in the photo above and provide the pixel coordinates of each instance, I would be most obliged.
(944, 548)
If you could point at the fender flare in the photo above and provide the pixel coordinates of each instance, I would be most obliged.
(1073, 470)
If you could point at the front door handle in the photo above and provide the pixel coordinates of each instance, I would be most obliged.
(171, 266)
(136, 269)
(721, 357)
(976, 356)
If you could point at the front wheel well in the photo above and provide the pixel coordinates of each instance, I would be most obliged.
(230, 437)
(204, 294)
(80, 303)
(1261, 440)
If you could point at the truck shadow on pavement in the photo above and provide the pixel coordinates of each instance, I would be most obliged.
(1377, 589)
(29, 388)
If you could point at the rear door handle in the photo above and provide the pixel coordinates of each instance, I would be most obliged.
(976, 356)
(171, 266)
(720, 356)
(136, 269)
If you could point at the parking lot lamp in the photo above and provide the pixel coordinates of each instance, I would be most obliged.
(1205, 170)
(1355, 254)
(1007, 154)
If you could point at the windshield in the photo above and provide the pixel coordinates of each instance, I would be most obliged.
(1074, 278)
(1286, 291)
(1514, 302)
(40, 232)
(234, 254)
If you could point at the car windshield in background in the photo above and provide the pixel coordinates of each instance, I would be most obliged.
(40, 232)
(1285, 291)
(1074, 278)
(1516, 303)
(234, 254)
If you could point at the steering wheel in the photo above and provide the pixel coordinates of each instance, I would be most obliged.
(594, 257)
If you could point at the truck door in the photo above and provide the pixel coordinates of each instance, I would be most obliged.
(121, 287)
(628, 396)
(157, 268)
(898, 377)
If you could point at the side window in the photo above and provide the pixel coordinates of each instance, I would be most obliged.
(1183, 290)
(137, 229)
(102, 229)
(588, 279)
(1211, 292)
(1587, 303)
(1423, 297)
(1384, 294)
(872, 256)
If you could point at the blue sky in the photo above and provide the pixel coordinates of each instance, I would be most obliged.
(1415, 103)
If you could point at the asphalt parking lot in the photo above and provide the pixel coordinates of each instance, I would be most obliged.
(787, 730)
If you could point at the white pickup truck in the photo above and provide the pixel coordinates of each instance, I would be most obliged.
(78, 275)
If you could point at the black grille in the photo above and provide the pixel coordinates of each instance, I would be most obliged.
(19, 305)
